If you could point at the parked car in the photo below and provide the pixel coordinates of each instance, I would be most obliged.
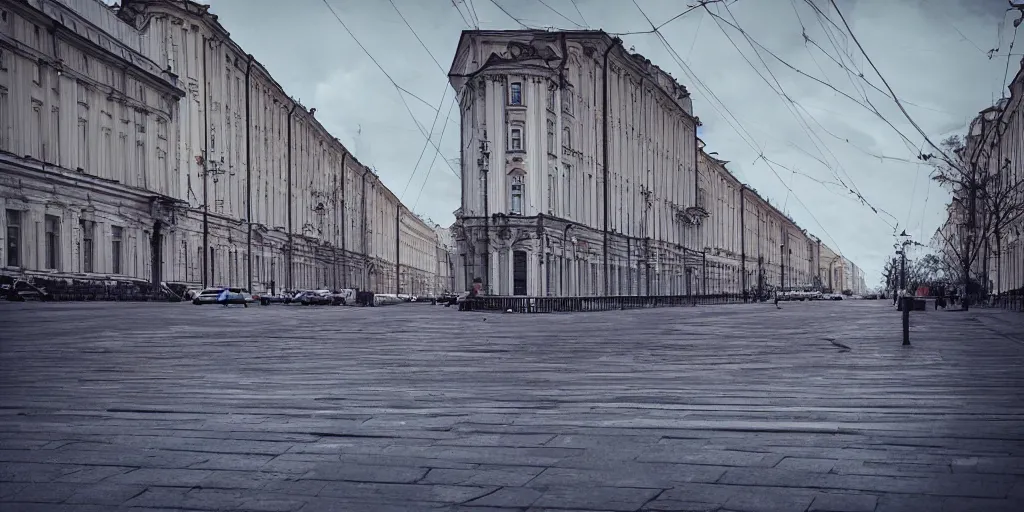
(236, 296)
(315, 298)
(345, 297)
(266, 299)
(386, 299)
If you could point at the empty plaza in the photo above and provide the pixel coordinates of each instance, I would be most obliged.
(816, 406)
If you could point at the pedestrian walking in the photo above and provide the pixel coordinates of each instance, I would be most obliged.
(223, 297)
(777, 306)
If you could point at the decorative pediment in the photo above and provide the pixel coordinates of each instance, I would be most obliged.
(517, 51)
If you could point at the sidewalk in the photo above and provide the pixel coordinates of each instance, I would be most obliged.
(1000, 321)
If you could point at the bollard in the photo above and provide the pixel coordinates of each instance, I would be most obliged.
(907, 303)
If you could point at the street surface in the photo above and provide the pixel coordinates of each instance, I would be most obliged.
(417, 407)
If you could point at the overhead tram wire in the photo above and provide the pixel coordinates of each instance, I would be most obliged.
(517, 20)
(853, 191)
(423, 101)
(552, 9)
(760, 152)
(886, 82)
(796, 106)
(789, 102)
(463, 16)
(577, 7)
(440, 138)
(437, 114)
(392, 80)
(833, 88)
(472, 14)
(417, 36)
(781, 90)
(426, 144)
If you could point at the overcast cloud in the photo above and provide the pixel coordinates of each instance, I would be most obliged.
(932, 52)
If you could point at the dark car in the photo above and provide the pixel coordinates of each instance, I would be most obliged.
(316, 298)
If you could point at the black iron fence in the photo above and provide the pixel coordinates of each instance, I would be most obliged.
(577, 304)
(85, 289)
(1013, 300)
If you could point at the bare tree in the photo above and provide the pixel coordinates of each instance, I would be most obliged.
(984, 201)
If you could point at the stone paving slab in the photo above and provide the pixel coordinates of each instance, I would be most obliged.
(738, 408)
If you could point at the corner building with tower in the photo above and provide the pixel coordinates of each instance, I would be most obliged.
(582, 175)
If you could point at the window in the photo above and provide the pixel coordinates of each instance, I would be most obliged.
(116, 238)
(551, 99)
(52, 242)
(36, 127)
(567, 204)
(88, 227)
(13, 238)
(36, 78)
(515, 93)
(83, 143)
(567, 102)
(566, 137)
(5, 122)
(551, 136)
(516, 139)
(516, 207)
(552, 191)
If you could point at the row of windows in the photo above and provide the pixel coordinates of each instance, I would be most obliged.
(515, 97)
(51, 243)
(515, 138)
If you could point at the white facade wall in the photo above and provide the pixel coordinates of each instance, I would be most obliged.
(1001, 152)
(293, 198)
(86, 170)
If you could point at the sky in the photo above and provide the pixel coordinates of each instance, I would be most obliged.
(834, 161)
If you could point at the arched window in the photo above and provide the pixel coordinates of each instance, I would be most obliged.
(566, 137)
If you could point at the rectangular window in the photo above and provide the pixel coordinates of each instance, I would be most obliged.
(551, 137)
(116, 241)
(83, 144)
(36, 77)
(567, 205)
(567, 102)
(13, 238)
(140, 164)
(36, 129)
(516, 208)
(552, 191)
(551, 100)
(515, 94)
(5, 122)
(50, 149)
(516, 140)
(88, 227)
(52, 241)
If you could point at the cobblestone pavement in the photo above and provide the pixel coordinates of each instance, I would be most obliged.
(417, 407)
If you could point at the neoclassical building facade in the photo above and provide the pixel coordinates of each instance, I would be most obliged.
(159, 150)
(542, 213)
(583, 175)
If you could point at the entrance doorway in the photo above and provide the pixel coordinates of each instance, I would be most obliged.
(519, 273)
